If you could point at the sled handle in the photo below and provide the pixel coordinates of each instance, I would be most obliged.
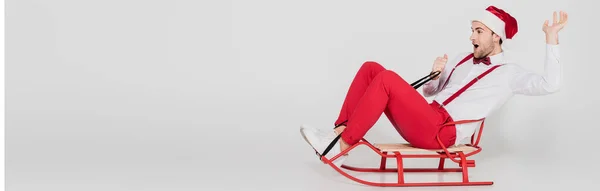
(429, 77)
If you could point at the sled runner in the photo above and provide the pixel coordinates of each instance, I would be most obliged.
(458, 154)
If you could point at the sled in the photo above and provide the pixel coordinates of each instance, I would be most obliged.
(399, 151)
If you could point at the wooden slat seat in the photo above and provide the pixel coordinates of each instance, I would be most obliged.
(404, 147)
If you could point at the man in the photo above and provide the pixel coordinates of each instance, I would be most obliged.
(471, 86)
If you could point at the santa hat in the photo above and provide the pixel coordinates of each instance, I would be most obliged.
(499, 21)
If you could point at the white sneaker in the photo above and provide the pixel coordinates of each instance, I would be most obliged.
(320, 140)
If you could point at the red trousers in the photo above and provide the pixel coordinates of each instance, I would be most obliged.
(376, 90)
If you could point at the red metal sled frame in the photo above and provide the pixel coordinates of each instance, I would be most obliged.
(462, 161)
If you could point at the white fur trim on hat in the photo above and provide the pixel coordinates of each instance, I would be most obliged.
(493, 22)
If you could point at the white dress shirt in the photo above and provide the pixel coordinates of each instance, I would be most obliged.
(492, 91)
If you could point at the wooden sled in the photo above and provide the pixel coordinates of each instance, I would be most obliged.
(459, 154)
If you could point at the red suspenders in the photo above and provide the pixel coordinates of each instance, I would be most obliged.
(460, 91)
(459, 63)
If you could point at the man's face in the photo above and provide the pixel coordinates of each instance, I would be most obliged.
(483, 39)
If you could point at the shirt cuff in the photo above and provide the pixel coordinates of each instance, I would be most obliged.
(554, 51)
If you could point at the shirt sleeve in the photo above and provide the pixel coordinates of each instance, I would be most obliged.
(433, 87)
(526, 82)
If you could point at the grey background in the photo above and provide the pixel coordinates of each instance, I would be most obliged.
(209, 95)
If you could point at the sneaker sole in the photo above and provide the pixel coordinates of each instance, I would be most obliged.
(338, 162)
(306, 139)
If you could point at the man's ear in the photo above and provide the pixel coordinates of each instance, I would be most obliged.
(496, 38)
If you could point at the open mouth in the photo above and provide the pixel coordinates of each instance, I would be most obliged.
(475, 46)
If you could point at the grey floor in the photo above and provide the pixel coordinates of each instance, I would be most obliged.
(263, 165)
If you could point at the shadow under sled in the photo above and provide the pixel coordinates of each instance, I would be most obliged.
(458, 154)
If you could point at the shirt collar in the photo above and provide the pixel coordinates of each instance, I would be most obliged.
(497, 59)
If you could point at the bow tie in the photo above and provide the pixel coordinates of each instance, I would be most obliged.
(485, 60)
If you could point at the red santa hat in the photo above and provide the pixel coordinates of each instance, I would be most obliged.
(499, 21)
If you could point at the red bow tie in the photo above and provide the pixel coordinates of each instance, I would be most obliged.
(485, 60)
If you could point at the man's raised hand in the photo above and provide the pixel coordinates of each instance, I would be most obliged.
(551, 30)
